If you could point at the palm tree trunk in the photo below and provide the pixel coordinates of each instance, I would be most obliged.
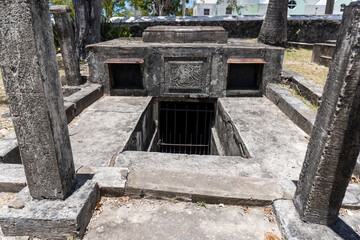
(329, 8)
(274, 28)
(183, 7)
(87, 24)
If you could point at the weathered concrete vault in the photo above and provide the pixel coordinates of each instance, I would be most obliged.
(181, 119)
(189, 69)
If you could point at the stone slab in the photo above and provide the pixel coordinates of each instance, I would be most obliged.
(310, 90)
(111, 180)
(352, 197)
(12, 178)
(50, 219)
(9, 151)
(273, 140)
(85, 97)
(195, 187)
(213, 165)
(103, 131)
(293, 228)
(185, 34)
(293, 107)
(60, 9)
(162, 220)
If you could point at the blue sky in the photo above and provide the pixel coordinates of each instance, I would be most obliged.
(190, 4)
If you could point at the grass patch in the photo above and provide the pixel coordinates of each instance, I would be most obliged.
(297, 94)
(299, 60)
(201, 204)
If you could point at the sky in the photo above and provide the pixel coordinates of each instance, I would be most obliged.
(190, 4)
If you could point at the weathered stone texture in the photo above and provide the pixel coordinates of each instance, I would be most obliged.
(87, 24)
(313, 29)
(51, 219)
(185, 34)
(64, 29)
(335, 139)
(31, 80)
(166, 65)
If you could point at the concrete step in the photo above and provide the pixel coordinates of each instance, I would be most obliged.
(157, 183)
(196, 187)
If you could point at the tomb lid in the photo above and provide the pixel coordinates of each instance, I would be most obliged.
(185, 34)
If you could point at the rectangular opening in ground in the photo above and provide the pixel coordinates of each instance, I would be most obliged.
(185, 127)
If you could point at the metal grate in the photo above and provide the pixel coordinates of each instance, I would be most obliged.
(185, 127)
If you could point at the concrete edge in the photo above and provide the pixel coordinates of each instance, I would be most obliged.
(12, 178)
(293, 228)
(85, 97)
(308, 89)
(9, 152)
(53, 219)
(296, 110)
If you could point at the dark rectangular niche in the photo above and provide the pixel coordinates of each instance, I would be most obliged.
(185, 127)
(125, 76)
(244, 74)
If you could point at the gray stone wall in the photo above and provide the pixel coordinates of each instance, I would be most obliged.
(312, 28)
(166, 67)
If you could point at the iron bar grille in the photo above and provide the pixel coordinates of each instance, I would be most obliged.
(185, 127)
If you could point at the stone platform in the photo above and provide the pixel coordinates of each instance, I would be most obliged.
(104, 129)
(51, 219)
(160, 220)
(185, 34)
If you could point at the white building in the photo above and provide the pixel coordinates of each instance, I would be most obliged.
(259, 7)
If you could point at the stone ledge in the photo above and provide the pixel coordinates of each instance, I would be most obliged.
(310, 90)
(60, 9)
(352, 197)
(50, 219)
(9, 151)
(111, 180)
(162, 184)
(12, 177)
(293, 228)
(85, 97)
(296, 110)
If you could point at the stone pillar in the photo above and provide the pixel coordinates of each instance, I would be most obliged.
(31, 79)
(335, 139)
(67, 43)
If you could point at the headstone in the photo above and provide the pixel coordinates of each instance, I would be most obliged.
(31, 79)
(335, 139)
(65, 33)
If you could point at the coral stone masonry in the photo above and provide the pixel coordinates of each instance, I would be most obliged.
(32, 84)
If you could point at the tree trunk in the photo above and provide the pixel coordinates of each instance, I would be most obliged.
(183, 7)
(87, 24)
(274, 28)
(329, 9)
(162, 7)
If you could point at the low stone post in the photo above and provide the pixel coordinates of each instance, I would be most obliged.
(67, 43)
(31, 79)
(335, 139)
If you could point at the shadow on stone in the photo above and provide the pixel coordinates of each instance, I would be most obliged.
(344, 231)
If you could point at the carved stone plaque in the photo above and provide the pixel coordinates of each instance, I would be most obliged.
(184, 76)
